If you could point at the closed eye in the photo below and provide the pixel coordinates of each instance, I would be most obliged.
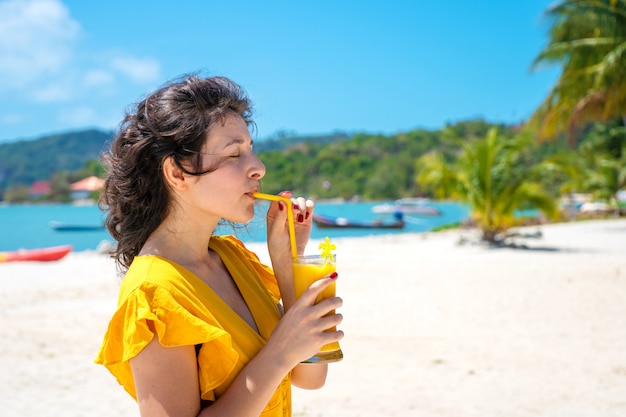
(238, 154)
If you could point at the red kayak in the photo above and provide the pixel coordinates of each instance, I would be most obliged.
(53, 253)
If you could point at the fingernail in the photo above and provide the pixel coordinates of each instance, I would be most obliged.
(300, 217)
(296, 207)
(307, 215)
(334, 275)
(280, 206)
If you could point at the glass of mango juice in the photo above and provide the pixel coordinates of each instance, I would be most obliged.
(306, 270)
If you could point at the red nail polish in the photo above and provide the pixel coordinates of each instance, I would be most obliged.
(334, 275)
(307, 215)
(300, 218)
(296, 207)
(280, 206)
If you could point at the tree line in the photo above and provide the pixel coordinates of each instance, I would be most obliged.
(337, 165)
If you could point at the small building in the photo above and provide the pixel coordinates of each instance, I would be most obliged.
(39, 189)
(81, 190)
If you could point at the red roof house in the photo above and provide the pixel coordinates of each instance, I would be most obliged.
(81, 189)
(90, 184)
(40, 189)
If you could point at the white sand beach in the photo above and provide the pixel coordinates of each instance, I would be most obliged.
(432, 329)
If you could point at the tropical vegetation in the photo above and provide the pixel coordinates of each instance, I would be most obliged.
(495, 175)
(598, 166)
(588, 41)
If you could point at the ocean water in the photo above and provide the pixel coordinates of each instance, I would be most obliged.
(28, 226)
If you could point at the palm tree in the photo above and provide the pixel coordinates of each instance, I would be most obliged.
(493, 175)
(588, 39)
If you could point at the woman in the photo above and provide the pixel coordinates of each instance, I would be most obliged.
(200, 329)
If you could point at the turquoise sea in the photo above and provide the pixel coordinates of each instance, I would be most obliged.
(28, 226)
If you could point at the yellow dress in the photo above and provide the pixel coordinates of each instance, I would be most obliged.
(185, 311)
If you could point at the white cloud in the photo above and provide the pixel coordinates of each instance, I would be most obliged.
(37, 39)
(55, 77)
(141, 70)
(42, 58)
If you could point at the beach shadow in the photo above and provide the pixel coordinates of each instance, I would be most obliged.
(524, 247)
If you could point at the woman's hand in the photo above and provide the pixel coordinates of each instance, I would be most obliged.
(278, 241)
(301, 332)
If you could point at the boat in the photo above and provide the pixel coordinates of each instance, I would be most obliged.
(417, 206)
(341, 222)
(52, 253)
(68, 227)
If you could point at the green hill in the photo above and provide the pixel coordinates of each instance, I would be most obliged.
(362, 165)
(27, 161)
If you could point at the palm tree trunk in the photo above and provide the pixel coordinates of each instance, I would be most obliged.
(489, 235)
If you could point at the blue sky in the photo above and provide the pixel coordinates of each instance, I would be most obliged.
(378, 66)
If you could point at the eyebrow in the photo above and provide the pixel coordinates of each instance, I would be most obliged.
(237, 141)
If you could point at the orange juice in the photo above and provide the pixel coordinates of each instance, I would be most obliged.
(307, 270)
(307, 274)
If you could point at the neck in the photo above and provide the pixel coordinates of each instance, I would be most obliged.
(181, 238)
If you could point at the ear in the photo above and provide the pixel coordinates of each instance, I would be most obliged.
(173, 175)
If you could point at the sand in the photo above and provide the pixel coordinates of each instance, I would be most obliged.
(433, 328)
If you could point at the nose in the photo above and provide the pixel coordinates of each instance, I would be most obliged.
(257, 170)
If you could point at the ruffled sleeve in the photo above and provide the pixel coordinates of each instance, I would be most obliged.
(178, 320)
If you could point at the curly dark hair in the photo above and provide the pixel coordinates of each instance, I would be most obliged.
(173, 121)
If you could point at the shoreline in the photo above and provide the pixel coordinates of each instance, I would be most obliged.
(458, 228)
(432, 328)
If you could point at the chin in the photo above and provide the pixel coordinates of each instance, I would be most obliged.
(243, 218)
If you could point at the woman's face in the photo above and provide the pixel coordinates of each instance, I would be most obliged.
(227, 191)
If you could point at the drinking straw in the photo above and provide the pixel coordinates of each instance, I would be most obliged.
(290, 222)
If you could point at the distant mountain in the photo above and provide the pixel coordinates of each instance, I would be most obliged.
(285, 141)
(27, 161)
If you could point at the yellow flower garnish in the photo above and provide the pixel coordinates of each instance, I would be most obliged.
(326, 247)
